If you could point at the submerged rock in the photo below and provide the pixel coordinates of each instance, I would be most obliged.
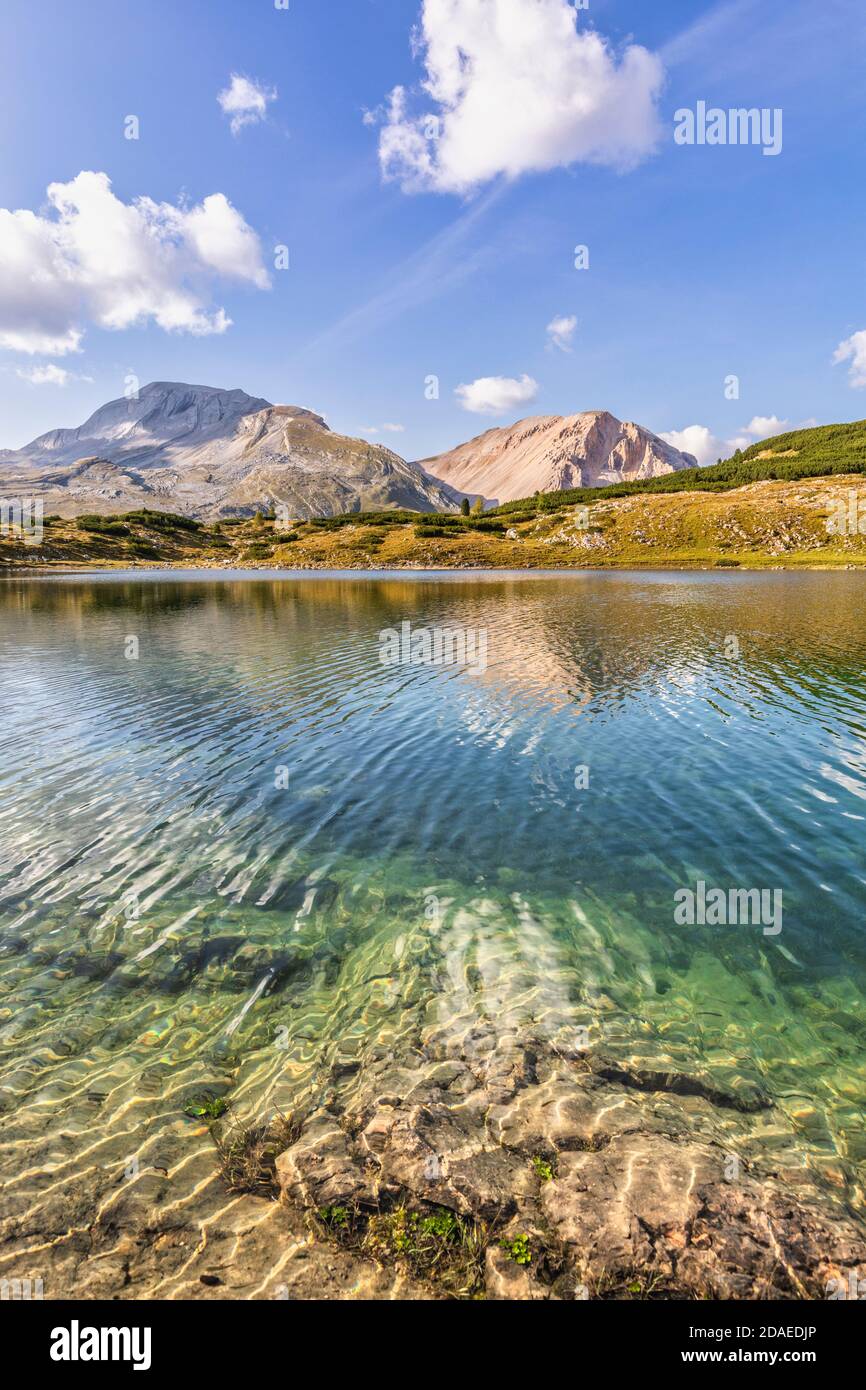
(646, 1191)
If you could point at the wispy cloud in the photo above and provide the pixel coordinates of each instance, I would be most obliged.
(561, 330)
(48, 374)
(735, 37)
(440, 265)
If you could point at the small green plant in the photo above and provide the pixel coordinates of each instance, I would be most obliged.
(544, 1168)
(444, 1225)
(518, 1249)
(335, 1218)
(436, 1244)
(206, 1107)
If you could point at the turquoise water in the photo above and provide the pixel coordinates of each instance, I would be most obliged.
(254, 853)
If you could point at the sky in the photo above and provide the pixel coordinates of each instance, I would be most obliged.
(371, 208)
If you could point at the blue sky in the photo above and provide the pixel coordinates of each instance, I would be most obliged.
(704, 261)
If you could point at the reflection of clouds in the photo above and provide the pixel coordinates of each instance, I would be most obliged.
(847, 780)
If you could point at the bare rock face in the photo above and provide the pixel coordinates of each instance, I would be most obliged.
(209, 453)
(546, 453)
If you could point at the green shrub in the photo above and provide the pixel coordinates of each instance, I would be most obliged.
(101, 525)
(163, 521)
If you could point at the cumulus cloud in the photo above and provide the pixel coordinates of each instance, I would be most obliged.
(95, 258)
(760, 427)
(708, 447)
(494, 395)
(853, 350)
(764, 426)
(512, 87)
(696, 440)
(245, 101)
(560, 332)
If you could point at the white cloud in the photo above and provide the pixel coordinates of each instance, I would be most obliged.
(245, 101)
(116, 264)
(697, 440)
(388, 428)
(516, 87)
(560, 331)
(223, 241)
(494, 395)
(708, 447)
(764, 426)
(46, 374)
(853, 350)
(760, 427)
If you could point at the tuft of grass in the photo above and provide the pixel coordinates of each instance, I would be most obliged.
(645, 1285)
(435, 1245)
(248, 1155)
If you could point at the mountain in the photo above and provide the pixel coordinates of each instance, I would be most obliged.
(546, 453)
(206, 453)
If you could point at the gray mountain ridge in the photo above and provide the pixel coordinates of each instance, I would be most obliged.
(208, 453)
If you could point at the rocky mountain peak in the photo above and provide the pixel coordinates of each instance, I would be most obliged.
(543, 453)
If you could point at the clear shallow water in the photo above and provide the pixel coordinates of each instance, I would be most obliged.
(172, 919)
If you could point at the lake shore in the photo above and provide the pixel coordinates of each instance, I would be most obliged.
(761, 526)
